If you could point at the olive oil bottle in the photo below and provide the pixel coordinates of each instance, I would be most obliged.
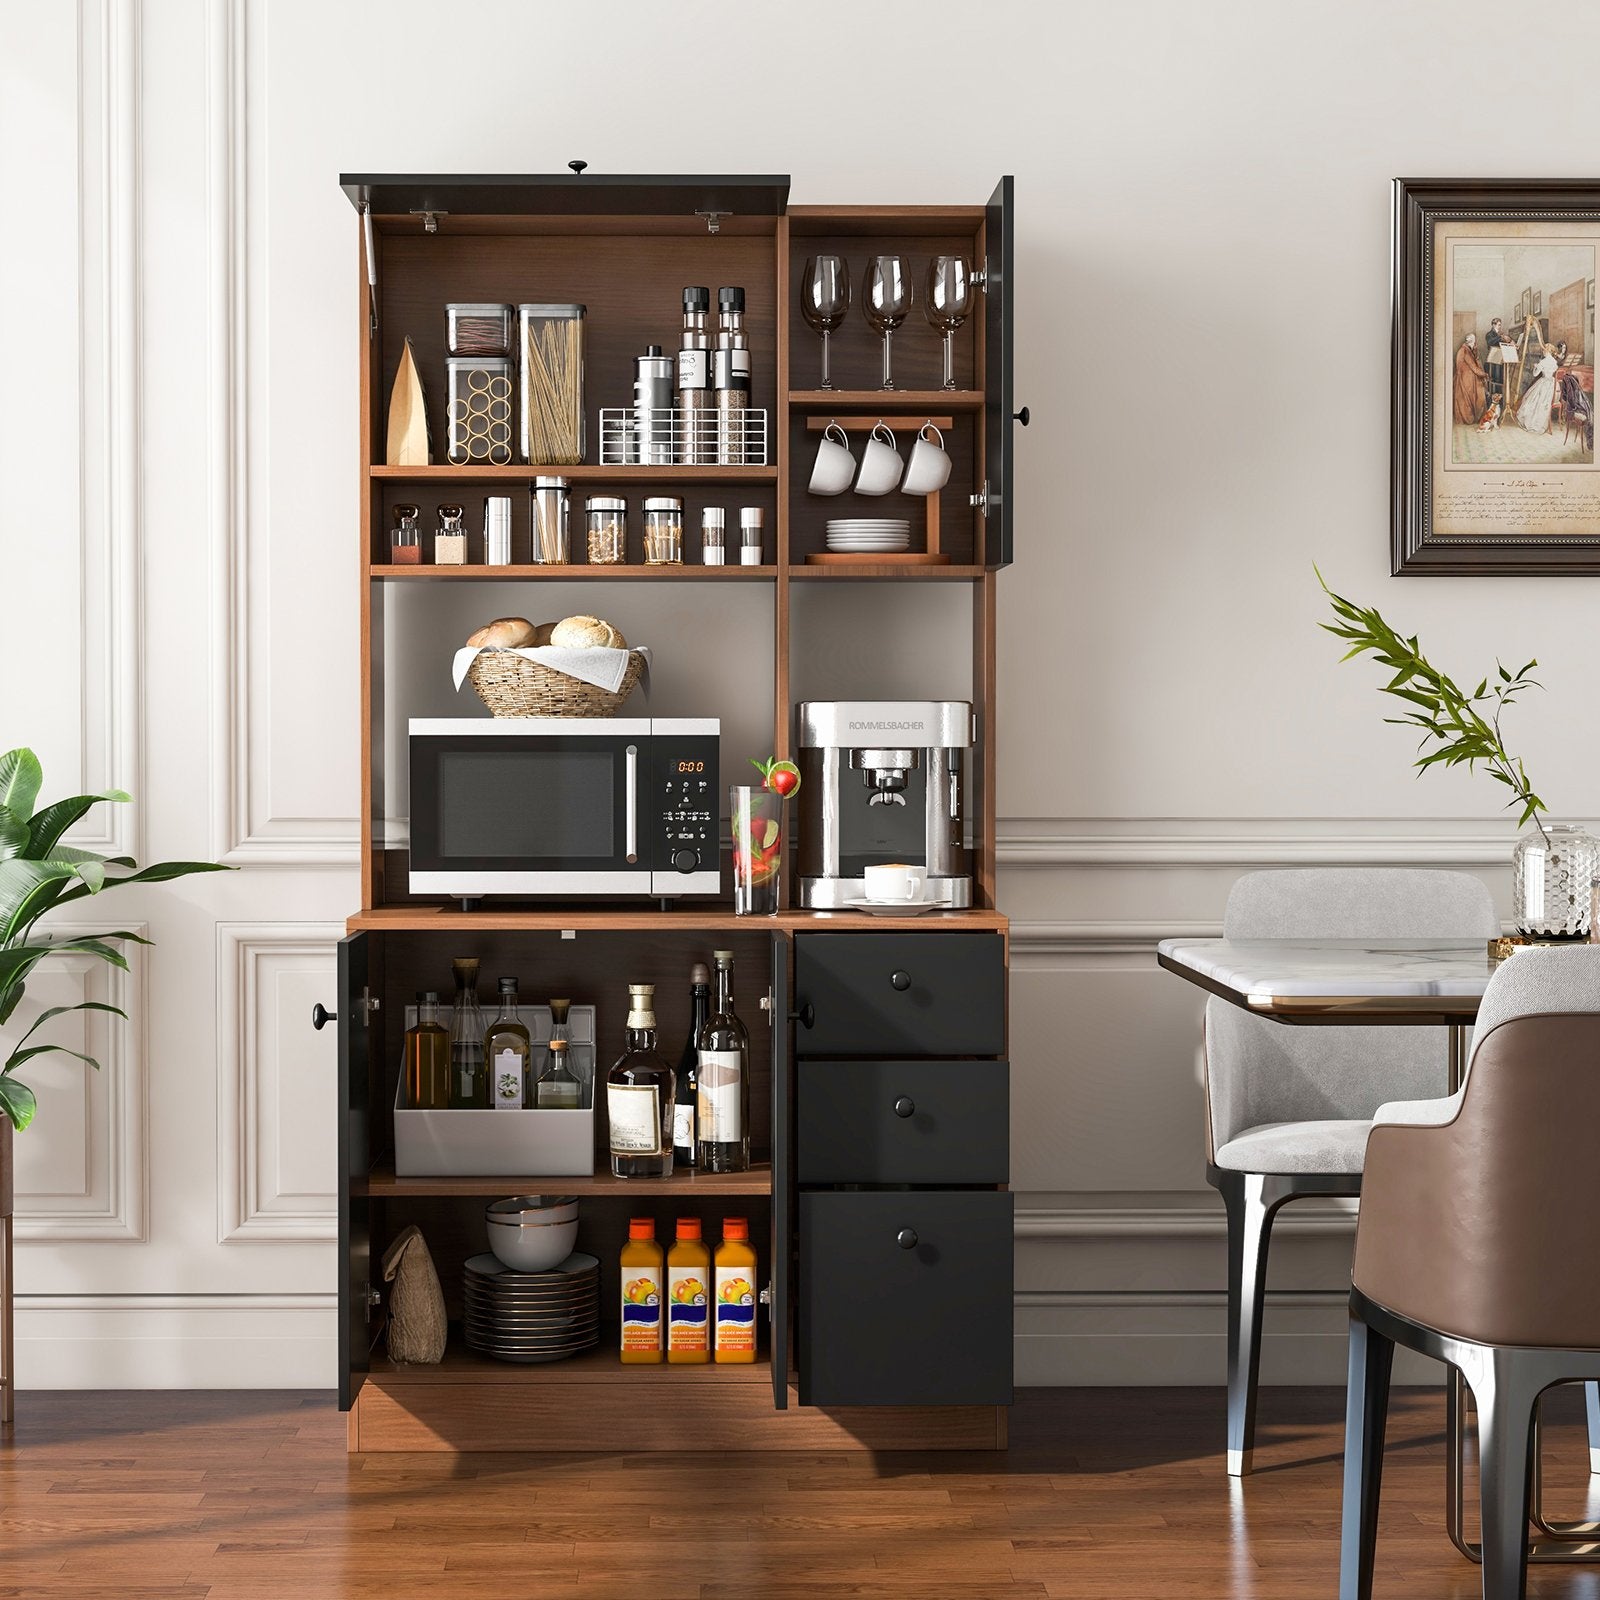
(506, 1050)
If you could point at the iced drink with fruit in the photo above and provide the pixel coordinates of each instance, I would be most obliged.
(757, 814)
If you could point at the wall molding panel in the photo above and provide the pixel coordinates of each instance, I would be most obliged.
(253, 1201)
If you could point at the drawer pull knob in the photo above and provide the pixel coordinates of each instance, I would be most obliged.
(900, 980)
(906, 1238)
(321, 1016)
(905, 1106)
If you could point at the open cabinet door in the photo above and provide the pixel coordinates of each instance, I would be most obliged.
(355, 1237)
(998, 376)
(782, 1253)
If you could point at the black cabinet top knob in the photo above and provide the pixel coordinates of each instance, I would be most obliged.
(905, 1106)
(321, 1017)
(900, 980)
(906, 1238)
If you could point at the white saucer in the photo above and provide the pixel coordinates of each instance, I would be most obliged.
(897, 908)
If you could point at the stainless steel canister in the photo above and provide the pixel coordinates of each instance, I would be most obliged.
(653, 396)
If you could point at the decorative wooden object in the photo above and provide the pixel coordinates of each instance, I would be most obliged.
(408, 416)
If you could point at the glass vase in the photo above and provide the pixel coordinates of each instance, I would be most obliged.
(1552, 870)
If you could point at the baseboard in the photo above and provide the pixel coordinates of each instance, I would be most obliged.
(269, 1341)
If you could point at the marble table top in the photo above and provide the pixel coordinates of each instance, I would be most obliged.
(1338, 979)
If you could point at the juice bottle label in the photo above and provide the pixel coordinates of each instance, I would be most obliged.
(721, 1073)
(736, 1309)
(687, 1311)
(641, 1308)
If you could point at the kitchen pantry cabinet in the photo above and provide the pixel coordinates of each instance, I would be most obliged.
(879, 1079)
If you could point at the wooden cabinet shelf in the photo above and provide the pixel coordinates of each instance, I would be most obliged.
(587, 472)
(597, 1366)
(710, 919)
(381, 1183)
(578, 571)
(875, 571)
(898, 400)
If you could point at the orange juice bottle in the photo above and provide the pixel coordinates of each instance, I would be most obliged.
(688, 1296)
(735, 1306)
(641, 1293)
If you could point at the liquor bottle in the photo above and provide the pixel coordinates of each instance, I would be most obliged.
(683, 1151)
(469, 1085)
(557, 1089)
(506, 1049)
(722, 1109)
(639, 1095)
(688, 1297)
(427, 1058)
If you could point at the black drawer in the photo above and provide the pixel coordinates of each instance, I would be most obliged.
(903, 1122)
(901, 994)
(905, 1299)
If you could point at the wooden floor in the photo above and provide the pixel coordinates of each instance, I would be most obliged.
(1104, 1493)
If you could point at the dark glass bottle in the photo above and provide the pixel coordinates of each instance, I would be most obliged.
(428, 1058)
(722, 1112)
(469, 1083)
(684, 1153)
(639, 1096)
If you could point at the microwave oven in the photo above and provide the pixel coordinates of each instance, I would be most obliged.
(618, 806)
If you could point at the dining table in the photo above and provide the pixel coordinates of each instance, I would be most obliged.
(1385, 983)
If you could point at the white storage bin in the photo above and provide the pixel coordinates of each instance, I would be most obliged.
(512, 1144)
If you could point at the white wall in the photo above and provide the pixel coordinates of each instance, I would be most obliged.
(1207, 185)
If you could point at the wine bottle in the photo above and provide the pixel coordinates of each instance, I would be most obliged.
(469, 1085)
(683, 1138)
(722, 1108)
(427, 1058)
(639, 1096)
(506, 1050)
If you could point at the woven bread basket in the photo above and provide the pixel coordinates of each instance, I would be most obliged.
(512, 686)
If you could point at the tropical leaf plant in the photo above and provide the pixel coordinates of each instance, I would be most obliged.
(38, 874)
(1454, 731)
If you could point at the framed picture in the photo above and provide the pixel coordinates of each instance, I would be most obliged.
(1475, 489)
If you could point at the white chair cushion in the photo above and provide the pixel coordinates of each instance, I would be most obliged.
(1296, 1147)
(1421, 1113)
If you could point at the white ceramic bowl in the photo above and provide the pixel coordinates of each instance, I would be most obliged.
(532, 1234)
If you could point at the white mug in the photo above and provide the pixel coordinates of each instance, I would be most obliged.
(929, 469)
(834, 466)
(896, 881)
(880, 463)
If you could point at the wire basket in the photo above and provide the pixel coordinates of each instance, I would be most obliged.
(513, 686)
(668, 437)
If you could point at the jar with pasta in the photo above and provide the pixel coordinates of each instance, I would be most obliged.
(663, 531)
(606, 517)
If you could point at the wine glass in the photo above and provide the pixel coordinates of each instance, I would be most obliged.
(948, 304)
(888, 302)
(824, 300)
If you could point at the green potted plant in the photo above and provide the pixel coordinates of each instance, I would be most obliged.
(1554, 863)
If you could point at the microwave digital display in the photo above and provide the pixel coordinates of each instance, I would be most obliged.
(520, 803)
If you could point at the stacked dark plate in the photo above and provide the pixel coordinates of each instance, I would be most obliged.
(532, 1316)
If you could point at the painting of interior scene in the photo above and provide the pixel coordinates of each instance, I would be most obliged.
(1522, 354)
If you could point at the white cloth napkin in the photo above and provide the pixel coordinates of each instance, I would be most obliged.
(601, 667)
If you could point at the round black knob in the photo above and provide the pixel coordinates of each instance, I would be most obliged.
(806, 1016)
(320, 1017)
(906, 1238)
(1021, 416)
(905, 1106)
(578, 166)
(685, 860)
(900, 980)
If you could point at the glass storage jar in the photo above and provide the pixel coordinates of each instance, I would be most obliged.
(606, 519)
(550, 511)
(479, 410)
(476, 328)
(1552, 870)
(663, 531)
(551, 340)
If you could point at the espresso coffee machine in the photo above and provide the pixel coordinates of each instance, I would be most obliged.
(882, 781)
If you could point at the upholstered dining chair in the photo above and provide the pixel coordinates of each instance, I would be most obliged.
(1479, 1230)
(1289, 1108)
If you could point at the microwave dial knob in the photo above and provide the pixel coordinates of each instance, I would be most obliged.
(685, 860)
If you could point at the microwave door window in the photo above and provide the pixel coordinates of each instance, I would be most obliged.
(536, 809)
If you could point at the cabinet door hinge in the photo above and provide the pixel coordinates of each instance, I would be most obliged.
(373, 1300)
(368, 1002)
(983, 499)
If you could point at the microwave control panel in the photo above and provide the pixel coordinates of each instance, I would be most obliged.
(684, 812)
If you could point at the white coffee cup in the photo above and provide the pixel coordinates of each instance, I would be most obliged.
(834, 466)
(896, 881)
(929, 469)
(881, 465)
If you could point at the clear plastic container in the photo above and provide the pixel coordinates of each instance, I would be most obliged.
(606, 519)
(479, 328)
(551, 343)
(663, 531)
(478, 410)
(551, 509)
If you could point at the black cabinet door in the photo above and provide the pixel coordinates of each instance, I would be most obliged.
(902, 1122)
(355, 1239)
(782, 1143)
(901, 994)
(999, 373)
(905, 1298)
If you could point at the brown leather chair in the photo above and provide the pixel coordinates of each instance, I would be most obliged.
(1477, 1244)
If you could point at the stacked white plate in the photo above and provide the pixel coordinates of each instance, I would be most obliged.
(532, 1316)
(869, 535)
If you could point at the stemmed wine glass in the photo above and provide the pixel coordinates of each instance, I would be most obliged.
(888, 302)
(824, 300)
(948, 304)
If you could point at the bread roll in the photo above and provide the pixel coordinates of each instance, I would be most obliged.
(587, 633)
(504, 633)
(541, 634)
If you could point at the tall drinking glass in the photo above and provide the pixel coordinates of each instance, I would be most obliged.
(757, 815)
(887, 304)
(824, 300)
(948, 304)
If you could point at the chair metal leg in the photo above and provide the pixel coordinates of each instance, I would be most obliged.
(1591, 1394)
(1505, 1390)
(1366, 1416)
(1249, 1233)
